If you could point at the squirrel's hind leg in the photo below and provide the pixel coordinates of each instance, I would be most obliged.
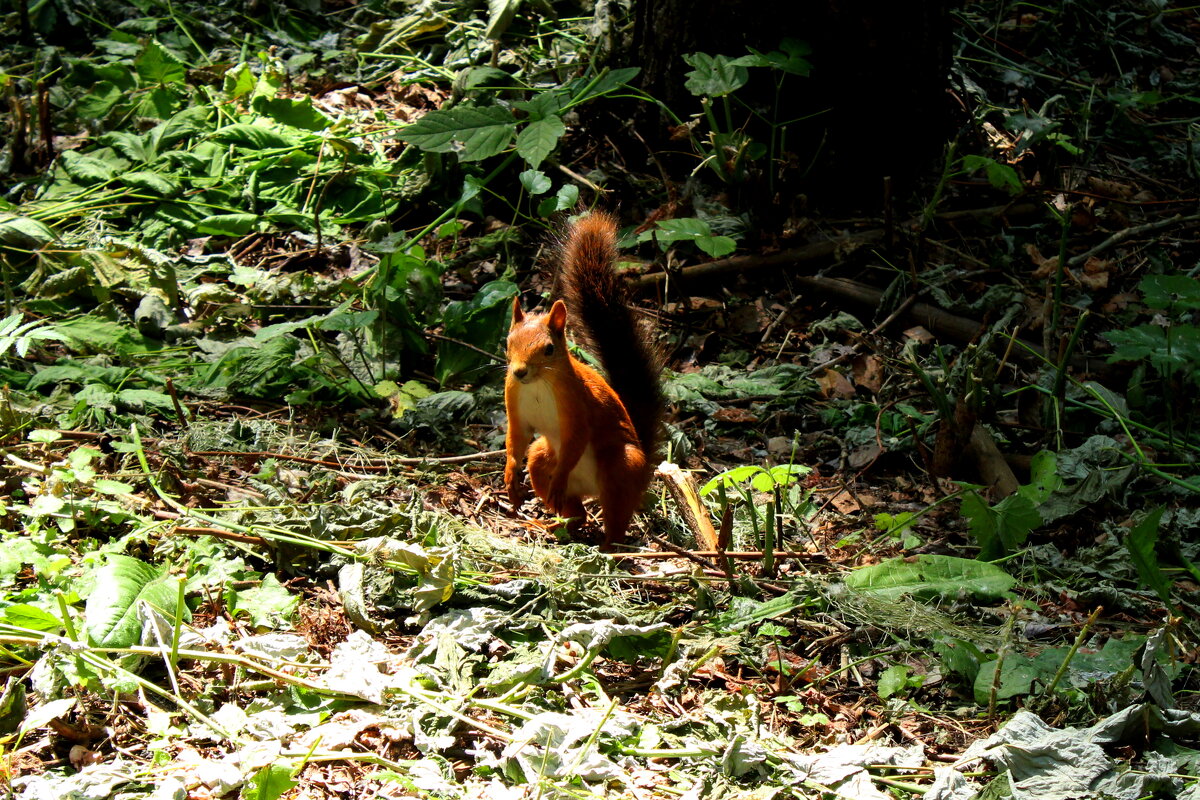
(541, 465)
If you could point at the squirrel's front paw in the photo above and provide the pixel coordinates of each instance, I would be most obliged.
(556, 498)
(516, 494)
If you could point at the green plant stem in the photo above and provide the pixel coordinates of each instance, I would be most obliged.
(1060, 375)
(1062, 668)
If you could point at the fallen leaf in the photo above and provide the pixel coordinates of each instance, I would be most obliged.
(868, 373)
(834, 384)
(736, 416)
(918, 334)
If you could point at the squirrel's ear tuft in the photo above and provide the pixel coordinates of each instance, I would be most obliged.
(556, 320)
(518, 314)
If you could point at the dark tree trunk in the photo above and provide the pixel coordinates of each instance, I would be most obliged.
(880, 68)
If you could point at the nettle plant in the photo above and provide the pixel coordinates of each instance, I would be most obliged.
(1169, 346)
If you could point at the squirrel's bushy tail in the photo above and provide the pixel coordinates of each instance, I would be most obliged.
(597, 301)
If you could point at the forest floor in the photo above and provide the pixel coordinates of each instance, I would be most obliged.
(256, 540)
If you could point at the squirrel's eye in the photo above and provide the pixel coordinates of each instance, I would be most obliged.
(548, 349)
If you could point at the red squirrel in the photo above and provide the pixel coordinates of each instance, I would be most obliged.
(597, 437)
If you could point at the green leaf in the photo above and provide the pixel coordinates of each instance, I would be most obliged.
(269, 783)
(713, 76)
(296, 113)
(731, 478)
(788, 58)
(227, 224)
(24, 232)
(90, 168)
(535, 182)
(258, 137)
(744, 612)
(151, 182)
(538, 139)
(473, 133)
(500, 16)
(112, 606)
(930, 577)
(44, 436)
(1044, 479)
(1141, 543)
(155, 65)
(238, 81)
(689, 229)
(1000, 529)
(999, 175)
(959, 657)
(609, 81)
(1170, 351)
(566, 197)
(402, 397)
(893, 681)
(108, 486)
(97, 103)
(479, 321)
(24, 615)
(1176, 292)
(269, 604)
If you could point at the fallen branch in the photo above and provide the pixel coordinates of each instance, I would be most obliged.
(682, 487)
(817, 250)
(1129, 233)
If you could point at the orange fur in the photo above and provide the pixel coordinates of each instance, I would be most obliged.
(587, 445)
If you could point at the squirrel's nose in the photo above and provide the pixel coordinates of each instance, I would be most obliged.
(519, 371)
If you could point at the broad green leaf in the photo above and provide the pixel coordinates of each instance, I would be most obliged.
(44, 713)
(479, 321)
(151, 182)
(1043, 478)
(1177, 292)
(1141, 543)
(24, 232)
(730, 478)
(270, 783)
(689, 229)
(227, 224)
(121, 584)
(500, 16)
(99, 101)
(161, 102)
(713, 76)
(999, 175)
(473, 133)
(155, 65)
(92, 335)
(296, 113)
(894, 680)
(535, 182)
(238, 81)
(931, 577)
(1171, 351)
(269, 604)
(188, 123)
(404, 397)
(108, 486)
(538, 139)
(90, 168)
(959, 657)
(142, 401)
(744, 612)
(31, 617)
(565, 198)
(788, 58)
(1000, 529)
(583, 89)
(255, 136)
(44, 436)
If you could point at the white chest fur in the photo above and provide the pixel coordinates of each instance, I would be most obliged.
(540, 410)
